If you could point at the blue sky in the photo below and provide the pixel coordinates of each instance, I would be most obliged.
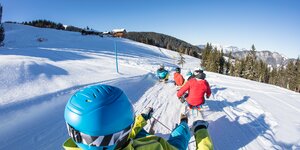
(269, 24)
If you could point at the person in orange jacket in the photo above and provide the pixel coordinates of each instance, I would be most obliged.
(197, 87)
(178, 78)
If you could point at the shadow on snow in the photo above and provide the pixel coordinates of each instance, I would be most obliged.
(41, 117)
(54, 55)
(128, 85)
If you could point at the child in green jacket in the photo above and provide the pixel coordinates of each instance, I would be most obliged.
(101, 117)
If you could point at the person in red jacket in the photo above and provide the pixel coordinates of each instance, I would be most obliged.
(197, 87)
(178, 78)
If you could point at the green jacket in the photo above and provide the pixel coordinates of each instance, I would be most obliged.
(152, 142)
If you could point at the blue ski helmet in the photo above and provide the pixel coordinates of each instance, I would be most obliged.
(98, 117)
(189, 73)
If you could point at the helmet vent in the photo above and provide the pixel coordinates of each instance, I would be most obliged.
(88, 101)
(98, 90)
(94, 95)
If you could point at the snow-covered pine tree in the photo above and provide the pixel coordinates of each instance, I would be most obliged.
(181, 60)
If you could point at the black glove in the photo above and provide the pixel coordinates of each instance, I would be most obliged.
(199, 124)
(147, 113)
(182, 99)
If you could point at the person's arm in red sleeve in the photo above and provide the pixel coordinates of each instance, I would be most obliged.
(181, 80)
(208, 91)
(183, 89)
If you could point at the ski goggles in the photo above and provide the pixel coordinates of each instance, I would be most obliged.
(198, 71)
(117, 139)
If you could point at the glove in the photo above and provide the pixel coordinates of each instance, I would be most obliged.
(147, 113)
(182, 99)
(199, 124)
(207, 96)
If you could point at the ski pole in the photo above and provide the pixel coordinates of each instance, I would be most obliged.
(161, 123)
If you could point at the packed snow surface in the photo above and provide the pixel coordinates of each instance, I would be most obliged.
(42, 68)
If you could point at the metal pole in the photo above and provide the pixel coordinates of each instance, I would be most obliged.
(161, 123)
(116, 51)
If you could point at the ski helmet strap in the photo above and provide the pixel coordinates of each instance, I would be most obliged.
(106, 140)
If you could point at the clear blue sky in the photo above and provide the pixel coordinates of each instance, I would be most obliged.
(269, 24)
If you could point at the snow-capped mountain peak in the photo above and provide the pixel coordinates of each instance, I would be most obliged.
(273, 59)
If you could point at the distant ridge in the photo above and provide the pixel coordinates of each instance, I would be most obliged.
(273, 59)
(164, 41)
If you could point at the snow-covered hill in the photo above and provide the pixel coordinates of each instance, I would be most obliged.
(38, 76)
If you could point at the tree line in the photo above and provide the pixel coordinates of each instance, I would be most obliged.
(45, 24)
(42, 23)
(251, 68)
(164, 41)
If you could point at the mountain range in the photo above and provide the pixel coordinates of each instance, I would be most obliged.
(273, 59)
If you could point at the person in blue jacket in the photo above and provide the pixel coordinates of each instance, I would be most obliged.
(162, 73)
(101, 117)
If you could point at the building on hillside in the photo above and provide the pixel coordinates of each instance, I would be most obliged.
(118, 32)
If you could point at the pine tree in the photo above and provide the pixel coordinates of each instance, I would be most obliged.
(213, 61)
(181, 49)
(205, 55)
(237, 68)
(2, 34)
(273, 77)
(253, 52)
(221, 62)
(1, 13)
(232, 69)
(298, 75)
(240, 68)
(263, 74)
(281, 77)
(169, 46)
(181, 60)
(291, 76)
(250, 71)
(228, 64)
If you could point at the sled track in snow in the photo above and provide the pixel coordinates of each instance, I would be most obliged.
(162, 97)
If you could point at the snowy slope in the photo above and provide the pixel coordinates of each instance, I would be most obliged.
(37, 78)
